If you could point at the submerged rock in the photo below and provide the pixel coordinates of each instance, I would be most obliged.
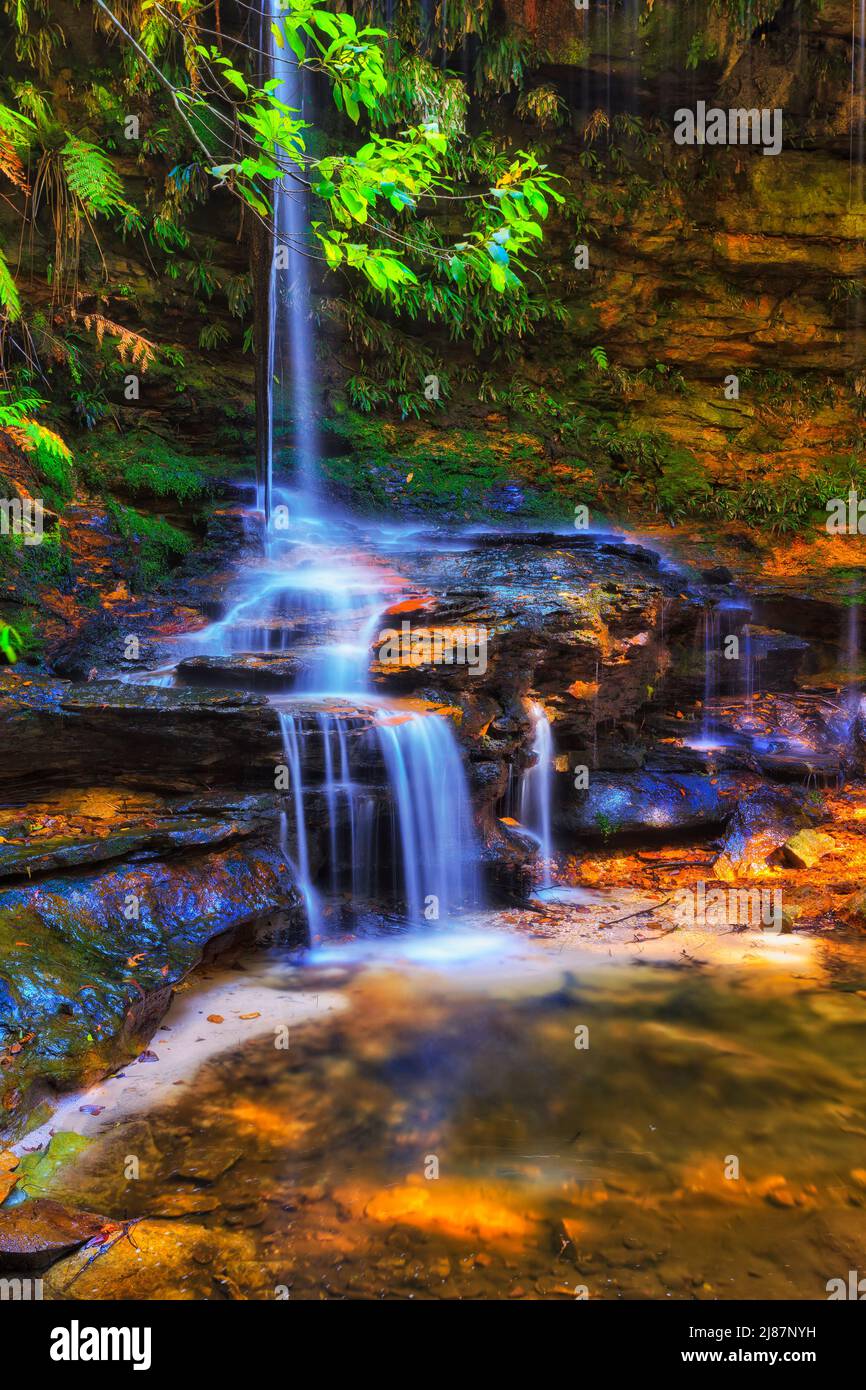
(805, 849)
(166, 1259)
(34, 1234)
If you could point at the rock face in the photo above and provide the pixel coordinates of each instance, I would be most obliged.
(136, 734)
(646, 803)
(110, 894)
(759, 827)
(87, 963)
(592, 628)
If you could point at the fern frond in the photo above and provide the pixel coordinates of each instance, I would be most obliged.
(132, 347)
(15, 409)
(15, 131)
(9, 300)
(93, 180)
(48, 440)
(16, 421)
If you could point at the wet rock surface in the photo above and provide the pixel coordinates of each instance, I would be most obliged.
(34, 1234)
(89, 958)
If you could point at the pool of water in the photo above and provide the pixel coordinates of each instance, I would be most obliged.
(491, 1117)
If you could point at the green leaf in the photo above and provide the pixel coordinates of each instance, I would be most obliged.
(9, 299)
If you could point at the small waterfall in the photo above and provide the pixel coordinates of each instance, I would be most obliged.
(424, 847)
(535, 790)
(301, 865)
(433, 818)
(712, 638)
(291, 348)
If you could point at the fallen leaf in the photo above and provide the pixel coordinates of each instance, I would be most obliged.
(215, 1018)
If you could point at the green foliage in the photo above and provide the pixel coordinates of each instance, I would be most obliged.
(145, 465)
(420, 92)
(502, 62)
(153, 545)
(701, 50)
(93, 180)
(212, 336)
(52, 453)
(9, 300)
(543, 105)
(11, 643)
(789, 504)
(37, 35)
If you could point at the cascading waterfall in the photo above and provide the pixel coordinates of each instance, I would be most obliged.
(320, 604)
(535, 791)
(292, 752)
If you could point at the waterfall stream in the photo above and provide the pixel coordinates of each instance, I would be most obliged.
(535, 791)
(307, 614)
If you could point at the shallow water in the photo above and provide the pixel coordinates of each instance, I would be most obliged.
(568, 1162)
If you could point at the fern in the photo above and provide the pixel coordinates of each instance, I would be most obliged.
(16, 420)
(15, 135)
(94, 181)
(131, 347)
(9, 300)
(213, 335)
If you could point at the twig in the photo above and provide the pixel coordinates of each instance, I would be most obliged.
(644, 912)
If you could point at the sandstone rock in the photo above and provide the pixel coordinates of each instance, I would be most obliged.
(36, 1233)
(166, 1259)
(805, 849)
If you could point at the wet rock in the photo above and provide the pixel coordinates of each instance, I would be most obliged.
(181, 833)
(87, 963)
(614, 806)
(718, 574)
(203, 1166)
(246, 671)
(777, 657)
(760, 825)
(34, 1234)
(139, 735)
(805, 849)
(166, 1259)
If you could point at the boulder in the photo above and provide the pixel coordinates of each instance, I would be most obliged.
(646, 802)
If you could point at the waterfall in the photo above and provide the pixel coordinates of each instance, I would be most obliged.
(535, 790)
(316, 603)
(301, 865)
(424, 846)
(433, 814)
(290, 362)
(712, 638)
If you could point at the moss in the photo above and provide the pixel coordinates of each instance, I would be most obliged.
(142, 464)
(153, 544)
